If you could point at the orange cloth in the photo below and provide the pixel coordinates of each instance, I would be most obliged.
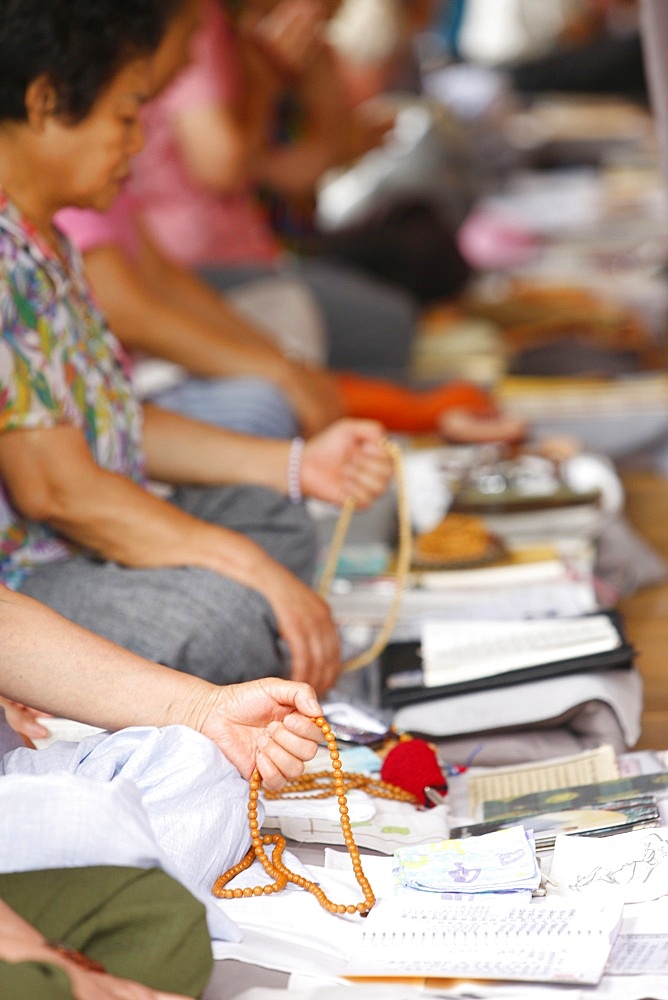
(401, 408)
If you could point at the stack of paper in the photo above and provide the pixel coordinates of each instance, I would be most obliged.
(504, 861)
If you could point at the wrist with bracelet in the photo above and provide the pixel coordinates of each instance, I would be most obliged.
(75, 956)
(295, 455)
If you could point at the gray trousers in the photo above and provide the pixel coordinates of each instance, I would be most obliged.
(184, 617)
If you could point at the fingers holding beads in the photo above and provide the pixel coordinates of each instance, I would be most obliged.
(306, 729)
(283, 748)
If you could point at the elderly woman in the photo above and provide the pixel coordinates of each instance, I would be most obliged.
(215, 579)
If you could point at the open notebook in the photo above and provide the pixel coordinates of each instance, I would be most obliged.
(538, 942)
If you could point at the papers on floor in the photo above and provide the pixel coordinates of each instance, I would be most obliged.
(291, 933)
(642, 944)
(627, 868)
(635, 954)
(532, 942)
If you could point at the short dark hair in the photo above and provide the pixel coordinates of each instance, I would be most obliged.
(79, 45)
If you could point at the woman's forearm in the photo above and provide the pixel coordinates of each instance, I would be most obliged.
(166, 312)
(180, 450)
(144, 531)
(54, 665)
(53, 479)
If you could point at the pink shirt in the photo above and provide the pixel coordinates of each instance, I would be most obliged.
(191, 225)
(117, 227)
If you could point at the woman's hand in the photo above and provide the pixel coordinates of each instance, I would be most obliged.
(289, 35)
(305, 624)
(264, 724)
(347, 460)
(23, 719)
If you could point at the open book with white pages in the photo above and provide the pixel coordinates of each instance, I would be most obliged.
(460, 657)
(463, 651)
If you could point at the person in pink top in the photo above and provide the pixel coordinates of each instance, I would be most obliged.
(195, 224)
(194, 188)
(168, 223)
(368, 325)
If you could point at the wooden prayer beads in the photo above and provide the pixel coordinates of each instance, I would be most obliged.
(275, 867)
(322, 785)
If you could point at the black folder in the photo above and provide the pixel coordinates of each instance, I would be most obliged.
(401, 671)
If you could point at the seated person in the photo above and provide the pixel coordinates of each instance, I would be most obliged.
(157, 306)
(98, 874)
(216, 579)
(291, 114)
(253, 360)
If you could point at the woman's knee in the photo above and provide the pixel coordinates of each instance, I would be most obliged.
(229, 649)
(283, 529)
(155, 931)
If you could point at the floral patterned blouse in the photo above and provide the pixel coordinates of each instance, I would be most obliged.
(59, 364)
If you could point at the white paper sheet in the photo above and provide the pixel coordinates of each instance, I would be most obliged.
(627, 868)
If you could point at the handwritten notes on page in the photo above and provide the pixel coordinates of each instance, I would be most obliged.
(536, 942)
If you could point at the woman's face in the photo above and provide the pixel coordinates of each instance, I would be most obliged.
(87, 162)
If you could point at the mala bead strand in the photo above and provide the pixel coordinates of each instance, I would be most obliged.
(322, 785)
(403, 561)
(275, 867)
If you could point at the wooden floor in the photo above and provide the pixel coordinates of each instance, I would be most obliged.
(646, 612)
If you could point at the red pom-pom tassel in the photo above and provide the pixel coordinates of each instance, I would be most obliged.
(413, 766)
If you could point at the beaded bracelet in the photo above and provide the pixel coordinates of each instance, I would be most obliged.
(295, 469)
(75, 956)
